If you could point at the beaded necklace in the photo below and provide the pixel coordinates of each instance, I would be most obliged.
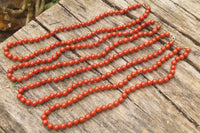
(115, 31)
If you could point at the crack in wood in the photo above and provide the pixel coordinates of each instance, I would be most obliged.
(185, 10)
(179, 109)
(2, 129)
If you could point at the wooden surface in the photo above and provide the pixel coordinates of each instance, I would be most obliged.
(171, 107)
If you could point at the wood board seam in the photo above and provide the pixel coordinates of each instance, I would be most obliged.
(2, 129)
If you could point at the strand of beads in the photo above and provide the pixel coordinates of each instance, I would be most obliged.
(74, 43)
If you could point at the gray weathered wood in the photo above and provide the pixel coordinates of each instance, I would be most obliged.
(161, 108)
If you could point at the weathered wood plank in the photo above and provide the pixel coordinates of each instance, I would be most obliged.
(182, 84)
(147, 110)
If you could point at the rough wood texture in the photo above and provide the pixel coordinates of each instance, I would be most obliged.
(171, 107)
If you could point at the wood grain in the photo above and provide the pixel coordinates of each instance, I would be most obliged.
(171, 107)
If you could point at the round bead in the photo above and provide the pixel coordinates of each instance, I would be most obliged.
(81, 119)
(69, 124)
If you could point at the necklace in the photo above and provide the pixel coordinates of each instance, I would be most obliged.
(112, 32)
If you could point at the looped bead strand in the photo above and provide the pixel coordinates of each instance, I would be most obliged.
(74, 43)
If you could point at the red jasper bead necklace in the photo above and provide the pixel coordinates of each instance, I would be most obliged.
(74, 43)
